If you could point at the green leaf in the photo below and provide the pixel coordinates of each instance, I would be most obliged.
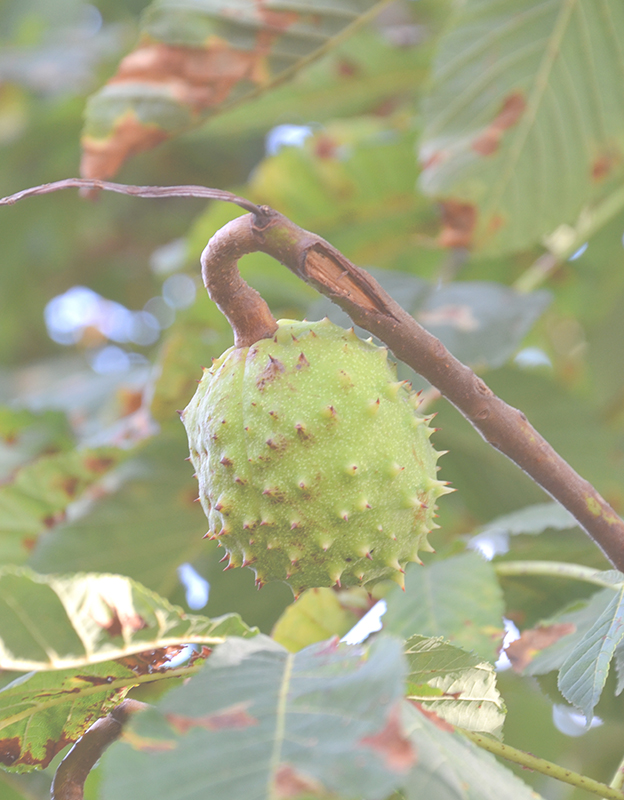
(260, 722)
(41, 713)
(353, 184)
(533, 520)
(584, 673)
(571, 425)
(582, 615)
(52, 623)
(23, 429)
(468, 696)
(40, 492)
(357, 77)
(196, 58)
(144, 530)
(451, 768)
(316, 615)
(458, 598)
(32, 786)
(525, 117)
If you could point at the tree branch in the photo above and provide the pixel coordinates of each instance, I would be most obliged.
(70, 777)
(322, 266)
(507, 429)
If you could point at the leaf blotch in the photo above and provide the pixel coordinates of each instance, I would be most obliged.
(235, 717)
(458, 223)
(523, 650)
(392, 744)
(489, 140)
(290, 782)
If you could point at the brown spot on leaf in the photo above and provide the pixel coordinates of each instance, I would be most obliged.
(196, 78)
(99, 463)
(54, 519)
(433, 159)
(458, 223)
(523, 650)
(302, 362)
(70, 486)
(152, 660)
(440, 723)
(129, 400)
(346, 68)
(496, 222)
(12, 754)
(227, 719)
(200, 655)
(290, 782)
(488, 141)
(118, 623)
(10, 750)
(391, 743)
(325, 147)
(101, 158)
(603, 165)
(272, 370)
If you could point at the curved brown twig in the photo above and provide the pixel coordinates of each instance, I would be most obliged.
(70, 777)
(136, 191)
(245, 309)
(507, 429)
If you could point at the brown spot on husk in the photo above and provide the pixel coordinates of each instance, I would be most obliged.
(272, 370)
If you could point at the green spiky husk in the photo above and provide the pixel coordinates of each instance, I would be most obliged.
(313, 466)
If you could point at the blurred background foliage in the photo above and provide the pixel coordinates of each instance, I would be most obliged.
(104, 325)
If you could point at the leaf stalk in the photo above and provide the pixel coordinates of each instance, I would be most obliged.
(541, 765)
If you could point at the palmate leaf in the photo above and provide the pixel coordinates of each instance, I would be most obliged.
(584, 673)
(525, 118)
(538, 659)
(259, 722)
(196, 57)
(52, 623)
(458, 686)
